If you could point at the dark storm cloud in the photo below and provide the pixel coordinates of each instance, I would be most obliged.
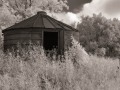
(76, 5)
(1, 3)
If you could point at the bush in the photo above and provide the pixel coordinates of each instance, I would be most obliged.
(33, 70)
(99, 32)
(100, 52)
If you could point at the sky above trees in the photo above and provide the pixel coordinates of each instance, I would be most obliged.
(78, 8)
(77, 5)
(109, 8)
(68, 11)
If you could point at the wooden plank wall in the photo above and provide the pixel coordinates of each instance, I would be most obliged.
(22, 37)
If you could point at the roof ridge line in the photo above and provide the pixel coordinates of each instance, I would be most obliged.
(63, 23)
(67, 26)
(43, 21)
(51, 21)
(35, 20)
(57, 22)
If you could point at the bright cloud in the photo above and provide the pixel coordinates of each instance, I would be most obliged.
(68, 18)
(72, 17)
(109, 8)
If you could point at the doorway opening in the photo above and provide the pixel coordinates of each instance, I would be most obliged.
(50, 40)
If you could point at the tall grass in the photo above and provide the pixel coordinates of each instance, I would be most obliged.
(76, 70)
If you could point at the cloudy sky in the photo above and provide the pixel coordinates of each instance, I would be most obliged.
(77, 8)
(77, 5)
(109, 8)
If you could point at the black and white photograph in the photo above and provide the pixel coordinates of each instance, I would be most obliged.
(59, 44)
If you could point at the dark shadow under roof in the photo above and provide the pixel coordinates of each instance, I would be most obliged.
(41, 20)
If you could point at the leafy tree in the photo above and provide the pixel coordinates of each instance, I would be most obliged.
(26, 8)
(13, 11)
(17, 10)
(98, 33)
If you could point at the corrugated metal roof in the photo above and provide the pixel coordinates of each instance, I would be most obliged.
(41, 20)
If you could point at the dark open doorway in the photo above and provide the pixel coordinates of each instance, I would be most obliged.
(50, 40)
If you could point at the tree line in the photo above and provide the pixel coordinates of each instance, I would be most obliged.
(100, 36)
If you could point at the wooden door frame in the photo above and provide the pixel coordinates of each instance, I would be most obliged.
(51, 31)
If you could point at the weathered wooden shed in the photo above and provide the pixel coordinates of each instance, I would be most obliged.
(40, 29)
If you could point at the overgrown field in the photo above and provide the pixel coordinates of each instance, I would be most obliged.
(76, 70)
